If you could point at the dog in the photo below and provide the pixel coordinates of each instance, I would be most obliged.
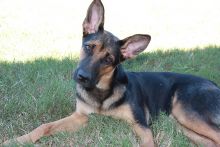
(103, 87)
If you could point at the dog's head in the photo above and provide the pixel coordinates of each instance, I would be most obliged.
(101, 51)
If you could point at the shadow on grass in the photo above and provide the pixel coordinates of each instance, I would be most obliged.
(42, 90)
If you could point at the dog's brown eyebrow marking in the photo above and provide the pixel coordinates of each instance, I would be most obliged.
(98, 45)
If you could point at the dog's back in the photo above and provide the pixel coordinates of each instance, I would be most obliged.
(157, 90)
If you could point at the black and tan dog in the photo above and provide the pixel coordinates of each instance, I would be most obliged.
(103, 87)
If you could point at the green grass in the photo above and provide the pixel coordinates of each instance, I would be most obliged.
(39, 91)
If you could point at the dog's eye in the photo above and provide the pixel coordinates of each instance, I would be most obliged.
(108, 60)
(89, 48)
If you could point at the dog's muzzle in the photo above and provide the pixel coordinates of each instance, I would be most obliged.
(83, 78)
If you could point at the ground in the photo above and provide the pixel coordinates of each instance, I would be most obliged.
(39, 48)
(42, 90)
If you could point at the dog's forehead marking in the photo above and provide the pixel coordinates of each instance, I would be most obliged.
(105, 42)
(105, 37)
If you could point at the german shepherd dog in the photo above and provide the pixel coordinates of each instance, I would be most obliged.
(103, 87)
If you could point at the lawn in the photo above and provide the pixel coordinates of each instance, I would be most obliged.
(42, 90)
(39, 45)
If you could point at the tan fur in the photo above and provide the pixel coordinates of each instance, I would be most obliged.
(105, 80)
(106, 72)
(98, 53)
(87, 103)
(84, 108)
(145, 134)
(70, 123)
(191, 122)
(121, 112)
(88, 98)
(124, 112)
(98, 45)
(198, 139)
(117, 94)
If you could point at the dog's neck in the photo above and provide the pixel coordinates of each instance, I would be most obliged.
(105, 81)
(120, 76)
(100, 95)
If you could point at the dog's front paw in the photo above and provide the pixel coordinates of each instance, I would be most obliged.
(148, 144)
(9, 142)
(20, 140)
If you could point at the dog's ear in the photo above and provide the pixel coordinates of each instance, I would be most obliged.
(133, 45)
(94, 20)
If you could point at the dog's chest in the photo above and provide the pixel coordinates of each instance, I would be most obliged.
(96, 102)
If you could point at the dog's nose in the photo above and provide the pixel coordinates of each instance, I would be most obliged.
(83, 76)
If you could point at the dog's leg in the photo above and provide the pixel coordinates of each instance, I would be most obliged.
(70, 123)
(197, 139)
(125, 113)
(193, 123)
(145, 135)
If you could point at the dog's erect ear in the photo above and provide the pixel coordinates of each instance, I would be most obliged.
(133, 45)
(94, 20)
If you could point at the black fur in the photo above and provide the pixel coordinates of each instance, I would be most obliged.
(146, 93)
(156, 89)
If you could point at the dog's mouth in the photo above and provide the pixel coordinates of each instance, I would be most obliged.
(87, 87)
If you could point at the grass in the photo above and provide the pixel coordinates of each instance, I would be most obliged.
(35, 91)
(42, 90)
